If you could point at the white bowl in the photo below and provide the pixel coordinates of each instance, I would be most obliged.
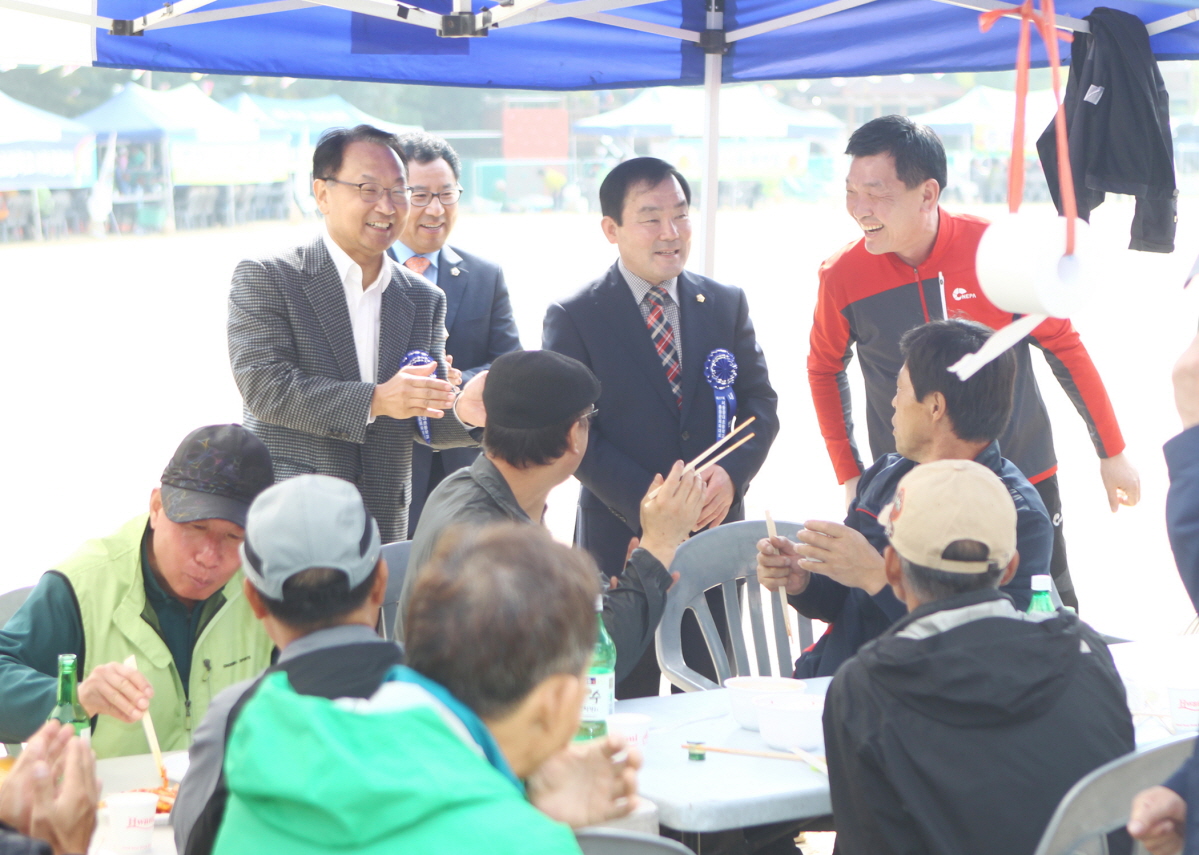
(791, 721)
(743, 690)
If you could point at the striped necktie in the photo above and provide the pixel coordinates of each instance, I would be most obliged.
(662, 335)
(418, 264)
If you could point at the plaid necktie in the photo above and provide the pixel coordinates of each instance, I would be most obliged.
(662, 335)
(418, 264)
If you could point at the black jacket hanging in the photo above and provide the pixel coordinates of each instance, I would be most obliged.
(1118, 123)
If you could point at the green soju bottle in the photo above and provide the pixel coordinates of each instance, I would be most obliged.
(601, 682)
(68, 710)
(1041, 603)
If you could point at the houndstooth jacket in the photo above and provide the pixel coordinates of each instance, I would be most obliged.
(292, 352)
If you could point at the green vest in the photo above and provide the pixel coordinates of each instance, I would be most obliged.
(106, 576)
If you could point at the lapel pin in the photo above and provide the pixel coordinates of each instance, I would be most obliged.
(453, 271)
(699, 298)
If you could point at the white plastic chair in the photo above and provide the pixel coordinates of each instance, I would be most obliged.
(719, 557)
(1102, 801)
(396, 555)
(611, 841)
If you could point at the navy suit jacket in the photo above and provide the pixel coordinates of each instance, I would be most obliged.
(640, 430)
(1182, 526)
(478, 317)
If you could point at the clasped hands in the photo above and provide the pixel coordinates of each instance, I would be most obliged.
(52, 791)
(415, 390)
(830, 549)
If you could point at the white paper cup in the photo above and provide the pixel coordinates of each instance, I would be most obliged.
(1184, 708)
(130, 821)
(1022, 266)
(634, 727)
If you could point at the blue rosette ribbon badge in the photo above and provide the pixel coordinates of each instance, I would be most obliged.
(417, 358)
(720, 370)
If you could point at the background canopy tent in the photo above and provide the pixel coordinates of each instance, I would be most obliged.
(745, 111)
(307, 116)
(40, 149)
(984, 117)
(208, 144)
(574, 44)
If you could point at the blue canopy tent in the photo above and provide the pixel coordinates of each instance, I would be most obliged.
(306, 117)
(40, 149)
(584, 44)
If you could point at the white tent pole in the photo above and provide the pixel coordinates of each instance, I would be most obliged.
(713, 72)
(1173, 22)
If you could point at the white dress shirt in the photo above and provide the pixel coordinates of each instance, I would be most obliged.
(365, 306)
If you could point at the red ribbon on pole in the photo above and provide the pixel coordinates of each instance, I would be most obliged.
(1045, 21)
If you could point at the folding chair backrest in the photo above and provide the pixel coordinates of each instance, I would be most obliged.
(11, 601)
(611, 841)
(396, 555)
(1101, 802)
(719, 557)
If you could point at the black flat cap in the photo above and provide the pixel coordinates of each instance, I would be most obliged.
(529, 389)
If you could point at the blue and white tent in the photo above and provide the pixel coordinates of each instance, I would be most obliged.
(537, 44)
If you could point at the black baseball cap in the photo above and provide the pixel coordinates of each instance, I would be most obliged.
(215, 474)
(529, 389)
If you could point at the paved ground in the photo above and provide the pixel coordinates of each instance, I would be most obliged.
(116, 348)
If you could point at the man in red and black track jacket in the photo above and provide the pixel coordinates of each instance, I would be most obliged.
(915, 263)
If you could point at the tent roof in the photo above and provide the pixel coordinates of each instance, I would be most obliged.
(185, 112)
(615, 43)
(988, 115)
(21, 123)
(134, 113)
(309, 115)
(745, 111)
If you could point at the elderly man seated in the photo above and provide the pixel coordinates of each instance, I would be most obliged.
(961, 727)
(163, 588)
(499, 635)
(836, 572)
(540, 405)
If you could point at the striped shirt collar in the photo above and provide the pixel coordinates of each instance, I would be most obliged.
(640, 287)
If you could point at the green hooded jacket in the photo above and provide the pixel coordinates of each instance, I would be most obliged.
(400, 772)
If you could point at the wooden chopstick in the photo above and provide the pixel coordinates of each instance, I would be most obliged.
(727, 451)
(151, 736)
(812, 760)
(690, 467)
(799, 755)
(712, 448)
(773, 532)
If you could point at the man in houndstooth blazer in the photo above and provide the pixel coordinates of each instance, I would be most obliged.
(295, 351)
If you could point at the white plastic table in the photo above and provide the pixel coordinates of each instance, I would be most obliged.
(118, 774)
(723, 791)
(1150, 669)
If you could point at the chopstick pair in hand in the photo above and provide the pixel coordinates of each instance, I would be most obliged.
(695, 465)
(151, 735)
(773, 532)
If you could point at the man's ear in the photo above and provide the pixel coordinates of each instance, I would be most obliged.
(609, 226)
(930, 195)
(320, 190)
(155, 504)
(934, 402)
(574, 437)
(1010, 572)
(379, 591)
(557, 704)
(894, 570)
(254, 599)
